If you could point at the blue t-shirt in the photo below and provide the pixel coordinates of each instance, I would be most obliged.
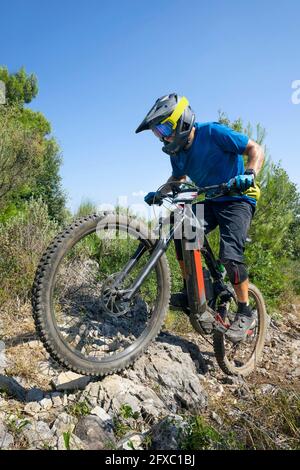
(214, 157)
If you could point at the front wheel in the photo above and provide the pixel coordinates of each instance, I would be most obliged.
(242, 358)
(80, 311)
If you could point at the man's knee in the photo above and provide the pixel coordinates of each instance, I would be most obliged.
(237, 272)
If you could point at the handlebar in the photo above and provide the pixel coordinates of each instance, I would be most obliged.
(178, 188)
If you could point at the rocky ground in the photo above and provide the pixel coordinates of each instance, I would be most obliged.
(157, 402)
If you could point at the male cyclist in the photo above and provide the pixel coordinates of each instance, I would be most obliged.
(211, 154)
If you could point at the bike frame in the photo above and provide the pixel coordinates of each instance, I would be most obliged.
(192, 260)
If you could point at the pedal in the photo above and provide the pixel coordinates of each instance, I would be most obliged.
(220, 325)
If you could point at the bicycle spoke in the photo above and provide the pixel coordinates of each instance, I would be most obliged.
(98, 326)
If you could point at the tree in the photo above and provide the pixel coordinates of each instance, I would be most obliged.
(21, 153)
(29, 157)
(20, 87)
(273, 255)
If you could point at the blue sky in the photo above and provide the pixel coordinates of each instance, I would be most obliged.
(101, 65)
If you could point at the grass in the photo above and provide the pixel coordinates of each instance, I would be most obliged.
(23, 361)
(81, 408)
(265, 422)
(262, 422)
(127, 412)
(177, 322)
(67, 436)
(200, 435)
(126, 421)
(14, 425)
(120, 428)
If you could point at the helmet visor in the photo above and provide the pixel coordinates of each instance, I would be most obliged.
(163, 130)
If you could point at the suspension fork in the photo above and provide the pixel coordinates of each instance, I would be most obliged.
(159, 250)
(141, 249)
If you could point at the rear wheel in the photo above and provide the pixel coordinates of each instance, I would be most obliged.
(80, 313)
(242, 358)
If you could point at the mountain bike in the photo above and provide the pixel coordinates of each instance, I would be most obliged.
(102, 289)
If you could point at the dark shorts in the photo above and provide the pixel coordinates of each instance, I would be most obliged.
(234, 219)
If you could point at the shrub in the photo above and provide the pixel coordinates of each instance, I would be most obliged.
(23, 239)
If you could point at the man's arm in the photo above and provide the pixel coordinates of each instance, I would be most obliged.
(255, 155)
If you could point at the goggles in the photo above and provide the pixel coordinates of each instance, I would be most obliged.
(163, 130)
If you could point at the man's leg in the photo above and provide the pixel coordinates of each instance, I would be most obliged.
(238, 276)
(241, 291)
(234, 221)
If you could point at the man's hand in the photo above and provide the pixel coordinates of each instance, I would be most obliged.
(241, 182)
(153, 198)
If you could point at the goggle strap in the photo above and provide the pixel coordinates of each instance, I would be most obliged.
(178, 111)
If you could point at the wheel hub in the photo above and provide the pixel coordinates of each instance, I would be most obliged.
(111, 299)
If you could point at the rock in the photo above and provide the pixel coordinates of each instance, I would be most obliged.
(56, 399)
(4, 362)
(65, 399)
(44, 416)
(168, 368)
(46, 368)
(34, 344)
(93, 402)
(220, 391)
(296, 351)
(46, 403)
(175, 371)
(242, 392)
(39, 435)
(150, 411)
(93, 389)
(90, 431)
(216, 418)
(117, 391)
(57, 402)
(295, 310)
(133, 441)
(72, 397)
(64, 423)
(12, 387)
(34, 394)
(167, 434)
(296, 372)
(267, 389)
(32, 408)
(3, 403)
(70, 381)
(70, 442)
(105, 417)
(6, 439)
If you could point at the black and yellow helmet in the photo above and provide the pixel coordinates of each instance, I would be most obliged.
(170, 115)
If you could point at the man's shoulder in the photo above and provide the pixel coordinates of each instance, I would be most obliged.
(203, 125)
(208, 126)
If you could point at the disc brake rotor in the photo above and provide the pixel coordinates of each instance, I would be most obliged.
(111, 300)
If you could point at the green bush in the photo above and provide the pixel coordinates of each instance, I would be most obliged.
(23, 239)
(200, 435)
